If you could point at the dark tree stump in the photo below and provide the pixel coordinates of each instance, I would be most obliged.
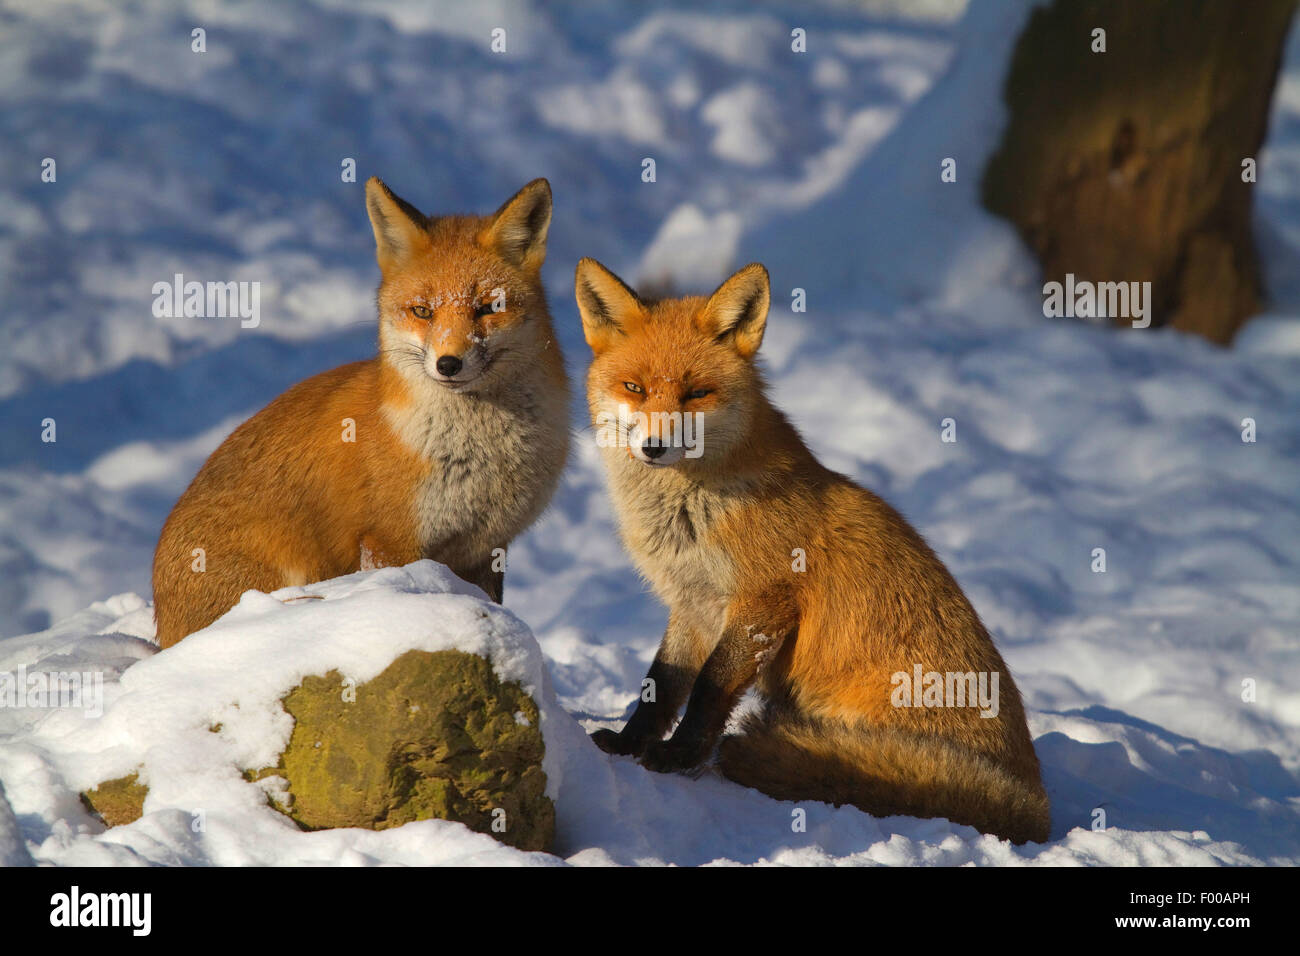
(1127, 165)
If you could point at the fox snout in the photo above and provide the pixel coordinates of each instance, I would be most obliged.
(660, 439)
(455, 353)
(451, 368)
(659, 451)
(652, 449)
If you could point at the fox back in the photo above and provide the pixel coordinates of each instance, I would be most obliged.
(446, 445)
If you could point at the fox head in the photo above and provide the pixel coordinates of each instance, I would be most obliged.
(460, 299)
(672, 381)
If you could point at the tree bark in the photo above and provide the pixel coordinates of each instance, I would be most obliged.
(1127, 165)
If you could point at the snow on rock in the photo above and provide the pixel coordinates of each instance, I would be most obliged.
(157, 716)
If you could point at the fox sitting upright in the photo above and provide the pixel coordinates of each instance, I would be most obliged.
(445, 446)
(781, 573)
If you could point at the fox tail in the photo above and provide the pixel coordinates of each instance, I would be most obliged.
(884, 772)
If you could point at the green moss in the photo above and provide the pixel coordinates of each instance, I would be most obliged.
(117, 802)
(433, 737)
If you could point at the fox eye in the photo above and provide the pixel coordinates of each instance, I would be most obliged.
(484, 309)
(699, 392)
(633, 387)
(421, 312)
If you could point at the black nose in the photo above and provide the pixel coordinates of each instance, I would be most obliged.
(448, 365)
(652, 449)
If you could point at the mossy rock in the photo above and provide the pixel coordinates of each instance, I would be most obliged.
(117, 802)
(435, 736)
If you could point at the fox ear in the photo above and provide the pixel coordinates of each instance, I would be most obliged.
(737, 312)
(518, 229)
(605, 303)
(399, 227)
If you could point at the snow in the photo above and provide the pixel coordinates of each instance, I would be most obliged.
(920, 308)
(158, 716)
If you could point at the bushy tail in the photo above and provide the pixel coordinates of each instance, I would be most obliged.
(883, 772)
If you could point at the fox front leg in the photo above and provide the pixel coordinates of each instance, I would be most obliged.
(681, 654)
(726, 675)
(490, 575)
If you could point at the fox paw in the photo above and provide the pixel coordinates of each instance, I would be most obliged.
(673, 755)
(616, 743)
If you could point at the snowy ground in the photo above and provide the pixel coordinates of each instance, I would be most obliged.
(824, 166)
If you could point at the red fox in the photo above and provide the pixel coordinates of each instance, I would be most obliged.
(445, 446)
(780, 573)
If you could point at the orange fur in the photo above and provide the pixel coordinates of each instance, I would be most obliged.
(719, 537)
(430, 466)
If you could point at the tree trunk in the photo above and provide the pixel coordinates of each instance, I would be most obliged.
(1127, 165)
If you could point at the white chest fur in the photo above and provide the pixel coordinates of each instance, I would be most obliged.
(666, 523)
(495, 460)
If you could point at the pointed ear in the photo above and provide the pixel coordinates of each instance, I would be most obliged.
(737, 312)
(399, 227)
(605, 302)
(518, 229)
